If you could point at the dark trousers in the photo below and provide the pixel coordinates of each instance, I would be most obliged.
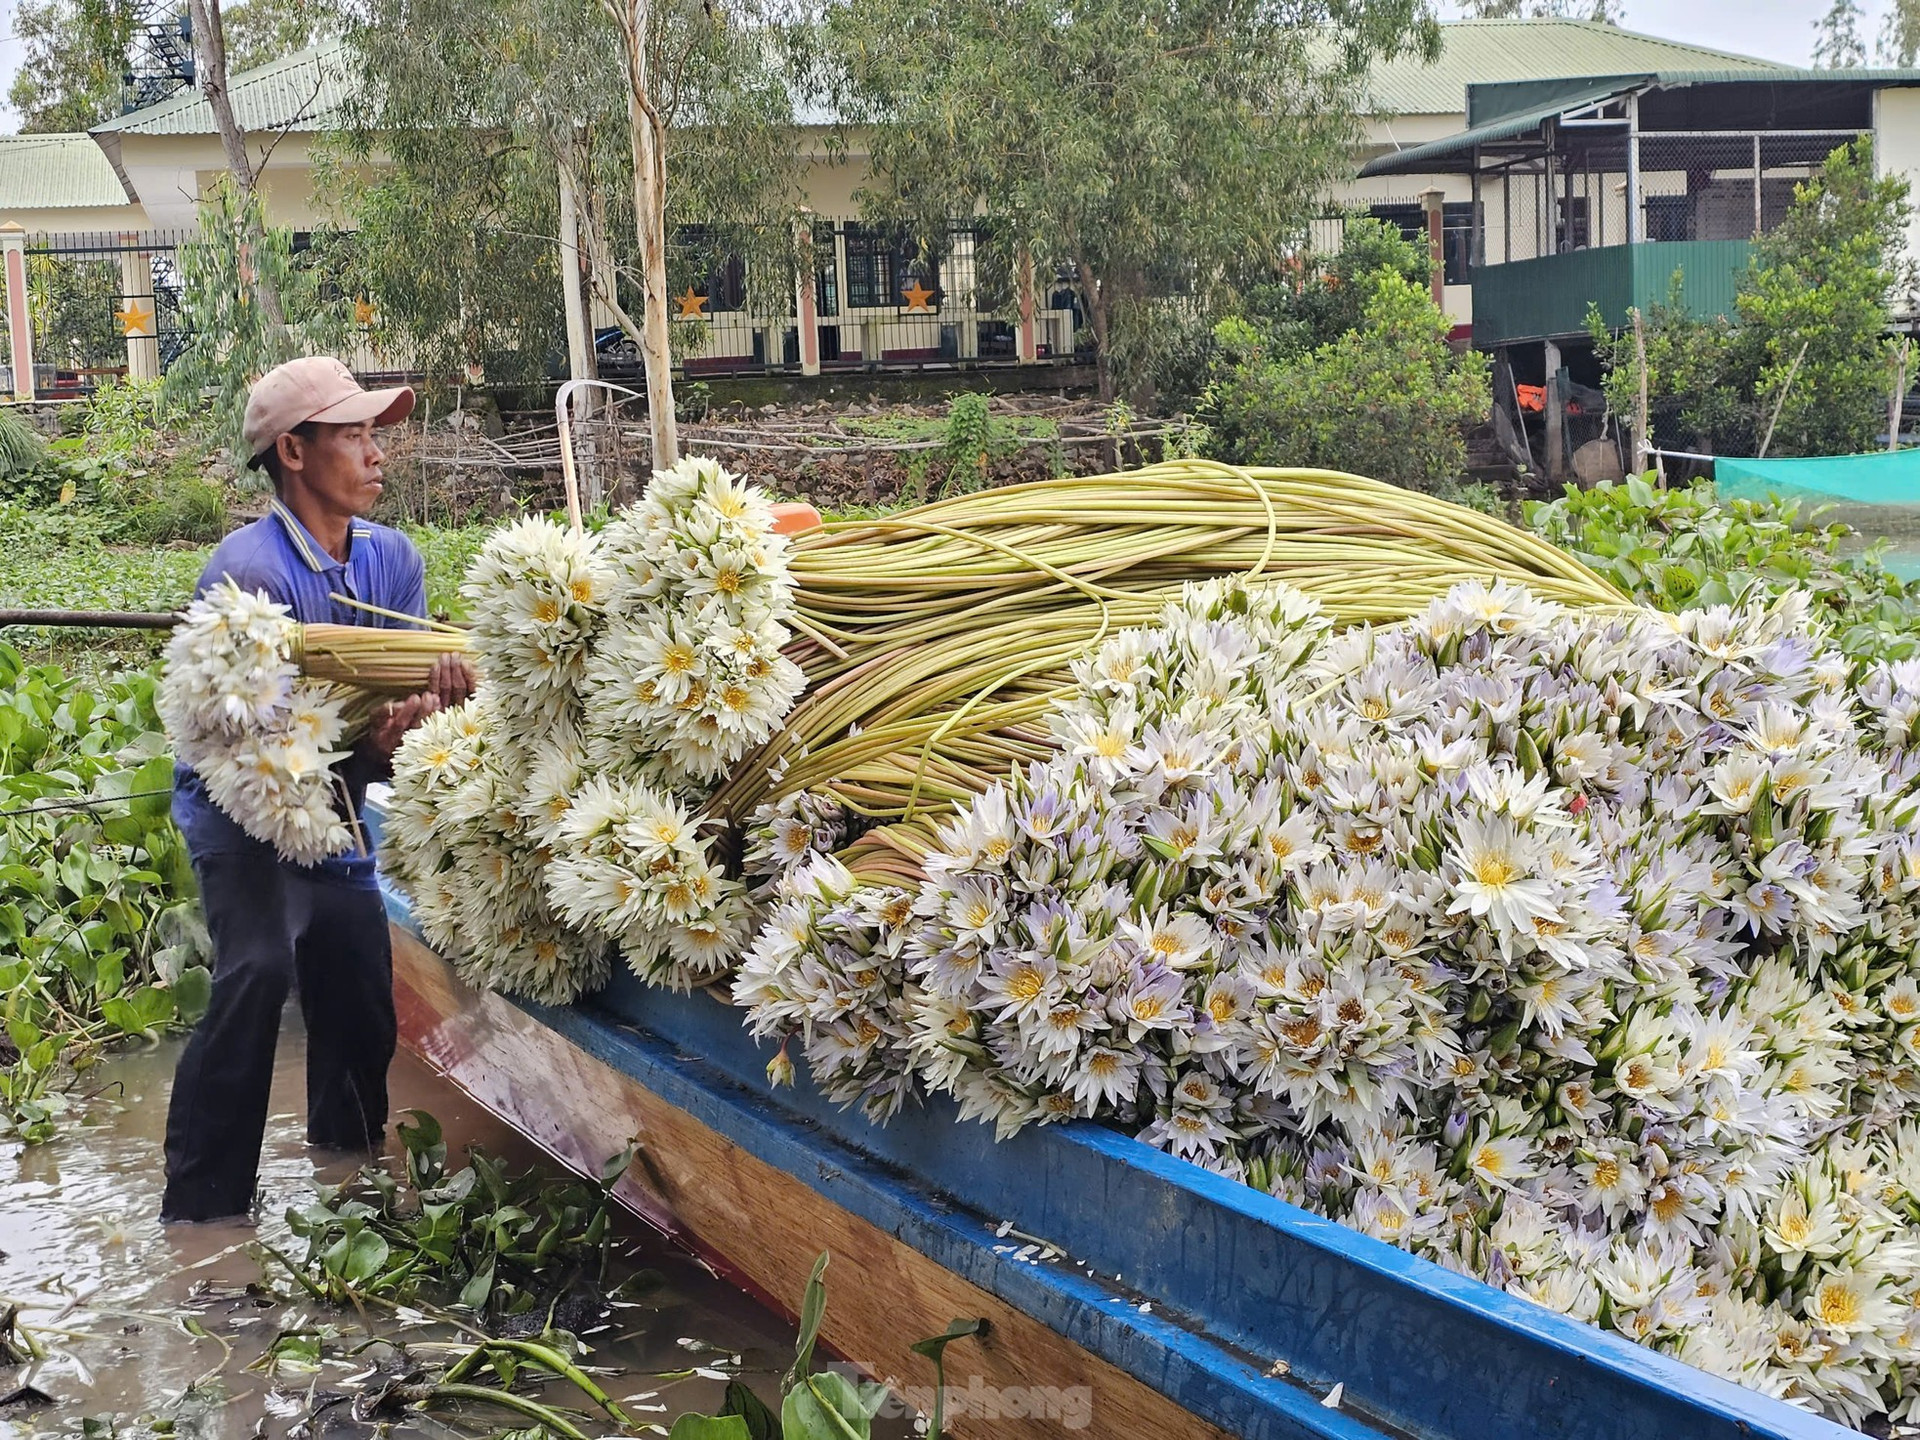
(274, 928)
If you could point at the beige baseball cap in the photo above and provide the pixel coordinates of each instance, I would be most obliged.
(315, 387)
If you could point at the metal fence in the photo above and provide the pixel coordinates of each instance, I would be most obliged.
(1692, 185)
(108, 305)
(875, 297)
(103, 305)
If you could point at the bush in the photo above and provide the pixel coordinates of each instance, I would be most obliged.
(22, 451)
(186, 508)
(1387, 399)
(1316, 305)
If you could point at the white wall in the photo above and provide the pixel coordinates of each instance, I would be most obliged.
(1896, 147)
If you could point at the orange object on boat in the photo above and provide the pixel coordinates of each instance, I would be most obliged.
(1531, 397)
(791, 517)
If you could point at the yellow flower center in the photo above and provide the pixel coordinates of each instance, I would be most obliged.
(1838, 1305)
(1494, 871)
(1026, 983)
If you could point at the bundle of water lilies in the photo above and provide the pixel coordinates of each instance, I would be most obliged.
(264, 708)
(686, 699)
(1575, 952)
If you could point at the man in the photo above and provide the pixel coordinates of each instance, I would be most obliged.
(275, 925)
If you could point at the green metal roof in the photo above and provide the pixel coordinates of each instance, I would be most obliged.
(56, 172)
(1455, 152)
(299, 92)
(1475, 52)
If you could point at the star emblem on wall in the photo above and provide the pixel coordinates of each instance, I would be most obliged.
(135, 317)
(693, 305)
(917, 297)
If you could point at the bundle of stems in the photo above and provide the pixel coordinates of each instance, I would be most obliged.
(1372, 551)
(936, 640)
(382, 661)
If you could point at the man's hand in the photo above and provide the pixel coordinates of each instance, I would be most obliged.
(451, 680)
(391, 721)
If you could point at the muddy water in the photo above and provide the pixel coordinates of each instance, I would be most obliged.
(82, 1252)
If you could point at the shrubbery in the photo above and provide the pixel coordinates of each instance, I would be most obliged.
(1387, 398)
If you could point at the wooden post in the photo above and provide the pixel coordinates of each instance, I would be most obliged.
(1642, 438)
(1781, 403)
(1897, 401)
(1434, 202)
(13, 245)
(1556, 441)
(806, 304)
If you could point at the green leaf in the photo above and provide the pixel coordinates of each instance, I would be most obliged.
(192, 993)
(710, 1427)
(155, 774)
(366, 1257)
(474, 1295)
(829, 1406)
(934, 1346)
(761, 1423)
(813, 1310)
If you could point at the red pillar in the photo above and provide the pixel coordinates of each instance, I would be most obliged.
(1026, 343)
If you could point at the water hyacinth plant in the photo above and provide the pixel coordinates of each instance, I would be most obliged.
(1573, 952)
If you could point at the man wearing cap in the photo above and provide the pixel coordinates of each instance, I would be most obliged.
(274, 925)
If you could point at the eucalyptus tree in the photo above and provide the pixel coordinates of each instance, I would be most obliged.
(1152, 148)
(468, 115)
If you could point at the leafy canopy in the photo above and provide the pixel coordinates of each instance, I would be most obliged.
(470, 108)
(1148, 148)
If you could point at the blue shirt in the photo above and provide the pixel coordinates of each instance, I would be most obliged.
(276, 555)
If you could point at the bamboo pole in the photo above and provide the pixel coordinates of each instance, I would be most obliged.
(1642, 439)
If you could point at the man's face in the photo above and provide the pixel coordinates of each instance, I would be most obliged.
(339, 466)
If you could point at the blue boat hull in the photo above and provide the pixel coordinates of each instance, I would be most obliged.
(1177, 1302)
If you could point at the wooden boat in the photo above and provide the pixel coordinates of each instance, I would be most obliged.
(1128, 1295)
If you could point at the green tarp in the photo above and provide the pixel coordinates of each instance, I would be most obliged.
(1886, 478)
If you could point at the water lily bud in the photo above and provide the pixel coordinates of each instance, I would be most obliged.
(780, 1069)
(1455, 1129)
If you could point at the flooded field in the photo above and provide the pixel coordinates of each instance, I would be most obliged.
(153, 1330)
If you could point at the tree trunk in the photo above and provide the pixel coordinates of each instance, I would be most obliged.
(1095, 294)
(210, 72)
(649, 134)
